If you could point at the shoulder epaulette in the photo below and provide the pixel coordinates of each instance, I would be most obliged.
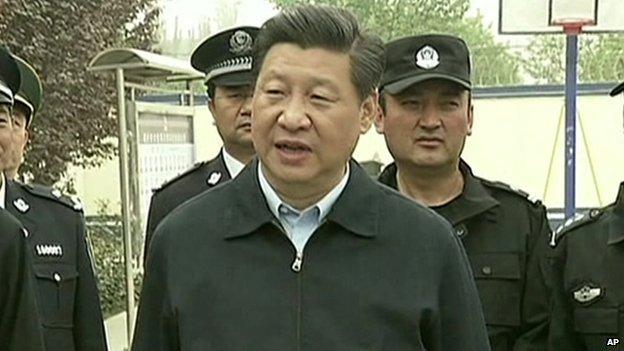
(511, 189)
(576, 221)
(54, 194)
(180, 176)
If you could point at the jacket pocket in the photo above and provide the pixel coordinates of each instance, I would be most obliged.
(56, 285)
(596, 326)
(497, 276)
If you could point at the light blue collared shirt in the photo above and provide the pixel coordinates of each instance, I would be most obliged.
(300, 225)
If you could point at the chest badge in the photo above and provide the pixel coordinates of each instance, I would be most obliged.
(21, 205)
(49, 250)
(587, 294)
(214, 178)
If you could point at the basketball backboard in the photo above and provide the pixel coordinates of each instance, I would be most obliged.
(536, 16)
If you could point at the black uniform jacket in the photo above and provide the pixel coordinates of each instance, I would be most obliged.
(20, 329)
(201, 177)
(380, 273)
(506, 238)
(588, 271)
(67, 292)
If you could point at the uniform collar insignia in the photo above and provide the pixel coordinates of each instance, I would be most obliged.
(213, 178)
(21, 205)
(427, 57)
(587, 294)
(49, 250)
(240, 42)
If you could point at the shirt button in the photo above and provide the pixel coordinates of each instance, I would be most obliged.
(487, 270)
(57, 277)
(283, 210)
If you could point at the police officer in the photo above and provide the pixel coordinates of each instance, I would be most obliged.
(426, 116)
(587, 260)
(226, 59)
(68, 297)
(27, 103)
(20, 329)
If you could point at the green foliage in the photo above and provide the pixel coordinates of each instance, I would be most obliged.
(106, 238)
(493, 63)
(601, 58)
(59, 38)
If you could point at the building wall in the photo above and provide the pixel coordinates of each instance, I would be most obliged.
(516, 140)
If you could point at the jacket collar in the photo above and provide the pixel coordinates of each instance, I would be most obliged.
(616, 226)
(474, 199)
(15, 194)
(216, 172)
(356, 209)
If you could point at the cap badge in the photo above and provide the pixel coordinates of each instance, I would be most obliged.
(427, 57)
(240, 42)
(587, 294)
(21, 205)
(213, 178)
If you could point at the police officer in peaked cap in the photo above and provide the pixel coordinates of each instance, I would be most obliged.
(27, 104)
(20, 329)
(427, 114)
(226, 60)
(68, 297)
(587, 258)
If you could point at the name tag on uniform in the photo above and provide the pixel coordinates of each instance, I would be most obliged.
(49, 250)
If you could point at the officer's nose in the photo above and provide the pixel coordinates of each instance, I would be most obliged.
(429, 118)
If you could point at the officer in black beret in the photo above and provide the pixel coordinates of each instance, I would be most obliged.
(226, 59)
(427, 113)
(587, 260)
(68, 296)
(19, 316)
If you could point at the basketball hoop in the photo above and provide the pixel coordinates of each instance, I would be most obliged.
(573, 25)
(572, 15)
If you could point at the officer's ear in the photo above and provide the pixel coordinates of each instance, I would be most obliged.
(368, 111)
(470, 111)
(379, 116)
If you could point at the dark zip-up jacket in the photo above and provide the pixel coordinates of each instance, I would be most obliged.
(380, 273)
(506, 237)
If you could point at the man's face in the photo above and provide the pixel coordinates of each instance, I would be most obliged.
(231, 109)
(426, 125)
(307, 115)
(6, 128)
(19, 138)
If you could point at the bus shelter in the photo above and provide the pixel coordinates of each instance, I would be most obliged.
(137, 70)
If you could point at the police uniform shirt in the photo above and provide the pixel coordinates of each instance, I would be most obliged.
(2, 190)
(506, 237)
(234, 166)
(20, 328)
(588, 265)
(300, 225)
(199, 178)
(68, 297)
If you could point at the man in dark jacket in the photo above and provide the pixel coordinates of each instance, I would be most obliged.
(587, 259)
(226, 59)
(309, 253)
(20, 329)
(427, 115)
(67, 291)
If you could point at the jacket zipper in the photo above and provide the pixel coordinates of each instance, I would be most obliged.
(296, 267)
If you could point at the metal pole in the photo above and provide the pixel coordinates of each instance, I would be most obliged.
(125, 201)
(570, 129)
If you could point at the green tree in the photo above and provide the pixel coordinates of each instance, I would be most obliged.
(601, 58)
(391, 19)
(59, 38)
